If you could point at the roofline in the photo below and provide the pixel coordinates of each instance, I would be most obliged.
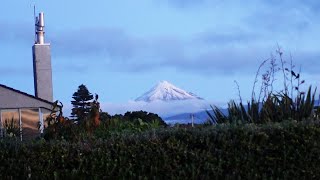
(26, 94)
(27, 108)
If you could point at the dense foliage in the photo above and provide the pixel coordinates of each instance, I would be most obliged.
(278, 150)
(98, 124)
(146, 117)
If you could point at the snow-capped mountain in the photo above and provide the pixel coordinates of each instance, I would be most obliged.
(164, 91)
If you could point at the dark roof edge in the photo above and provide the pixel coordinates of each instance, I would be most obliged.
(26, 94)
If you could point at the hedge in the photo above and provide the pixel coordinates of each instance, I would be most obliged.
(279, 150)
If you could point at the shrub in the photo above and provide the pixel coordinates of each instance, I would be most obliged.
(11, 128)
(271, 151)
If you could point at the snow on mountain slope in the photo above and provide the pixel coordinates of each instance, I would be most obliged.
(164, 91)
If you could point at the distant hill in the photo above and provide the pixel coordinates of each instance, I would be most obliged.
(202, 116)
(185, 118)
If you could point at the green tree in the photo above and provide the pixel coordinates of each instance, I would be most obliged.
(81, 103)
(146, 117)
(104, 116)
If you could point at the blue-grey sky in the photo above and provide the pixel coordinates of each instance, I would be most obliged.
(120, 49)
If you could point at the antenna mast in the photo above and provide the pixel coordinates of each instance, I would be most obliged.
(192, 119)
(35, 23)
(39, 28)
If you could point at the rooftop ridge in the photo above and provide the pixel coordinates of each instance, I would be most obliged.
(26, 94)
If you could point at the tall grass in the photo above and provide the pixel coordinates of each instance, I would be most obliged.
(288, 103)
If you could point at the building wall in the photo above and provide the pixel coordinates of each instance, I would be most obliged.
(12, 99)
(23, 123)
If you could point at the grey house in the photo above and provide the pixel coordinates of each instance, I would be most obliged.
(28, 112)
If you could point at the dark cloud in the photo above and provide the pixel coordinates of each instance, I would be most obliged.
(113, 43)
(114, 49)
(215, 62)
(118, 51)
(268, 16)
(223, 51)
(313, 5)
(283, 17)
(277, 21)
(235, 50)
(225, 62)
(222, 38)
(19, 33)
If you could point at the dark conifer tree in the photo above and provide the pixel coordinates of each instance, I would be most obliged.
(81, 102)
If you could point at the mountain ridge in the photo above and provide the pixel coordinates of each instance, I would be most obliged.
(165, 91)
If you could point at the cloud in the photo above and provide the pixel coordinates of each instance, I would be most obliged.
(308, 61)
(159, 107)
(312, 5)
(14, 71)
(70, 68)
(170, 52)
(223, 38)
(114, 43)
(276, 20)
(215, 61)
(267, 16)
(206, 53)
(163, 109)
(228, 49)
(16, 32)
(243, 61)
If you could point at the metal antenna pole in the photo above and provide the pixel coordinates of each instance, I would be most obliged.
(35, 22)
(192, 118)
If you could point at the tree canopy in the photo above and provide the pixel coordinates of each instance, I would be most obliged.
(81, 102)
(147, 117)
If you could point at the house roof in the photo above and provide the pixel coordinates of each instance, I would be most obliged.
(26, 94)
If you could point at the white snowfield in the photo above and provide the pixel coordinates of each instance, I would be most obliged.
(164, 91)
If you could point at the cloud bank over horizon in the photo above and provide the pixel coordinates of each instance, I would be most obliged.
(162, 108)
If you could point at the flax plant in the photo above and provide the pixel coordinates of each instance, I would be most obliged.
(290, 103)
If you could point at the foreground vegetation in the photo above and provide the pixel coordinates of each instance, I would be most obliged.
(271, 104)
(278, 150)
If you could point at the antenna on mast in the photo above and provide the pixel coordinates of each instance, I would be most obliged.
(35, 22)
(39, 27)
